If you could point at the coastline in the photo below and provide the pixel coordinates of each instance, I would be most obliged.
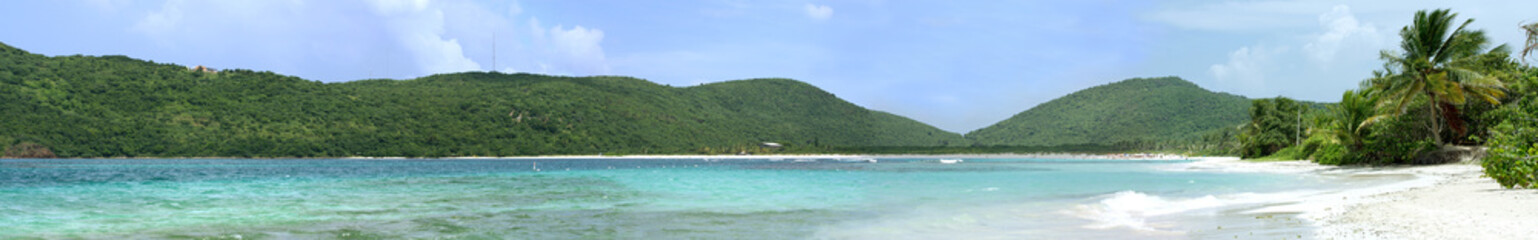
(1129, 156)
(1448, 201)
(1117, 156)
(1458, 203)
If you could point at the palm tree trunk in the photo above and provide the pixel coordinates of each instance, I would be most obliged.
(1432, 116)
(1454, 120)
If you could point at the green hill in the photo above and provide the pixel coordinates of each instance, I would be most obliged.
(1139, 109)
(110, 106)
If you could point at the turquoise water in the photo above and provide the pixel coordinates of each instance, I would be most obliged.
(636, 199)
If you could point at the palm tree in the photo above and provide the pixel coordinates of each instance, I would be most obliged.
(1532, 40)
(1345, 120)
(1436, 64)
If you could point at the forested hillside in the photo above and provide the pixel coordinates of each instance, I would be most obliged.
(1130, 111)
(115, 106)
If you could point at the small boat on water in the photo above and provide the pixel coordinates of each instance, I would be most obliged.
(950, 161)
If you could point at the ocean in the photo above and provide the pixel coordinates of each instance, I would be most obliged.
(768, 198)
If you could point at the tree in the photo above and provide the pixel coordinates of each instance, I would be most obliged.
(1345, 119)
(1273, 126)
(1532, 40)
(28, 150)
(1435, 65)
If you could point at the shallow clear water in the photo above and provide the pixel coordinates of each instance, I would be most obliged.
(638, 199)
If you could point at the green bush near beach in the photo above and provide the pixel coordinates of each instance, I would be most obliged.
(1514, 142)
(1511, 158)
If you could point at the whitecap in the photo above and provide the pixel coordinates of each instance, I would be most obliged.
(1133, 210)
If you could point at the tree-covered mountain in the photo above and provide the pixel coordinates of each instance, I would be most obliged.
(110, 106)
(1133, 110)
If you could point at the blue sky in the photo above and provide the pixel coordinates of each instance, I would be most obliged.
(958, 65)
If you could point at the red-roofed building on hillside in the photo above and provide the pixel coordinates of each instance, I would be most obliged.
(201, 68)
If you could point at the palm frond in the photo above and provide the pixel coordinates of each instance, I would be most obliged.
(1485, 87)
(1402, 97)
(1470, 78)
(1532, 40)
(1503, 48)
(1375, 119)
(1491, 96)
(1452, 39)
(1465, 44)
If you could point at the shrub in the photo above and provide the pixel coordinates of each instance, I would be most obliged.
(1396, 140)
(1286, 154)
(1512, 166)
(1513, 143)
(28, 150)
(1333, 154)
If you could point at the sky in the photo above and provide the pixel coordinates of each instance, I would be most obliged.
(957, 65)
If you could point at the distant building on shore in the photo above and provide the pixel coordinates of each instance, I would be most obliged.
(201, 68)
(770, 145)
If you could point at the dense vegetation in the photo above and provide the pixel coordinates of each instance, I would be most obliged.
(1513, 139)
(115, 106)
(1445, 86)
(1142, 113)
(1275, 123)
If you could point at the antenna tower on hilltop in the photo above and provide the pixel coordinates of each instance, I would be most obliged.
(493, 50)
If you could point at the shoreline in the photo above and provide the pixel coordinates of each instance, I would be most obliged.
(1448, 201)
(1117, 156)
(842, 156)
(1457, 203)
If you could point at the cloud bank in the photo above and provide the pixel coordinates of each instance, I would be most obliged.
(818, 12)
(355, 39)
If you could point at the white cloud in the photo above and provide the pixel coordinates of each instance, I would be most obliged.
(818, 12)
(107, 5)
(284, 32)
(399, 6)
(514, 9)
(355, 39)
(535, 30)
(433, 53)
(161, 22)
(567, 51)
(1238, 16)
(1363, 27)
(581, 47)
(1341, 31)
(420, 30)
(1332, 52)
(1246, 67)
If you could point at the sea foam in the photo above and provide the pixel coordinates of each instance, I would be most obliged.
(1136, 210)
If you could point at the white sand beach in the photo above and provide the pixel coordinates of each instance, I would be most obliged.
(1459, 204)
(1450, 201)
(1137, 156)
